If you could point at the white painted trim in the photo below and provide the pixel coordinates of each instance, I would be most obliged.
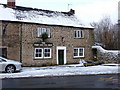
(80, 32)
(35, 53)
(79, 51)
(43, 51)
(61, 48)
(43, 30)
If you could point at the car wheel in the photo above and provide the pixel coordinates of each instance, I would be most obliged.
(10, 69)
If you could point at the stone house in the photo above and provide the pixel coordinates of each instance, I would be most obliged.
(21, 29)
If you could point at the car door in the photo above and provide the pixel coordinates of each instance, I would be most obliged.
(2, 64)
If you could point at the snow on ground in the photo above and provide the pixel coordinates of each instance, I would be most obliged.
(61, 70)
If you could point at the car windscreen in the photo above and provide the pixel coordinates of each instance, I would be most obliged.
(2, 60)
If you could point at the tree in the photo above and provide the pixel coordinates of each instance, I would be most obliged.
(106, 33)
(44, 36)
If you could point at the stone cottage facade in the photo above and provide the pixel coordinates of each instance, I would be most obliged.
(67, 42)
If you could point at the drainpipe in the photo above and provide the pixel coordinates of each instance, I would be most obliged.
(21, 43)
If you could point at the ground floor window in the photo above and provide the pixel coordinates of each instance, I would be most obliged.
(42, 53)
(3, 52)
(78, 52)
(47, 53)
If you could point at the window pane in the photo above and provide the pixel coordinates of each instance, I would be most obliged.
(81, 49)
(81, 52)
(36, 55)
(47, 55)
(38, 33)
(78, 33)
(82, 34)
(75, 32)
(47, 52)
(75, 52)
(48, 32)
(38, 52)
(43, 30)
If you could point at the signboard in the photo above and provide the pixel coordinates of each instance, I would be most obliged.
(43, 45)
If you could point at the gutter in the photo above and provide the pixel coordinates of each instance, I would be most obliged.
(28, 22)
(21, 42)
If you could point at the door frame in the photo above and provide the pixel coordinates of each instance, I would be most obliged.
(61, 48)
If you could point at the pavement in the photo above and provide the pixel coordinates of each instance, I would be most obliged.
(62, 70)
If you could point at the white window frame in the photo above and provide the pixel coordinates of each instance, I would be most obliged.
(78, 49)
(43, 53)
(78, 34)
(49, 53)
(43, 30)
(76, 52)
(36, 53)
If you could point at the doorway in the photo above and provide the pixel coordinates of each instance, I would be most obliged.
(3, 52)
(61, 55)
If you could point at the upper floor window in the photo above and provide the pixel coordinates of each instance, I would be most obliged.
(40, 31)
(4, 29)
(78, 33)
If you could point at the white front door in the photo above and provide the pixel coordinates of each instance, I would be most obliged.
(61, 55)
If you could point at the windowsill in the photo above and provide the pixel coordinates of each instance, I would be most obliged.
(78, 38)
(79, 57)
(41, 37)
(42, 58)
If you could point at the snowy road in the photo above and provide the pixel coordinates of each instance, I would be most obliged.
(61, 71)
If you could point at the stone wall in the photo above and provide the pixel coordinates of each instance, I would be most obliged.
(60, 36)
(20, 37)
(10, 36)
(107, 56)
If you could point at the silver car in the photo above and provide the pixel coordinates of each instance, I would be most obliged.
(9, 66)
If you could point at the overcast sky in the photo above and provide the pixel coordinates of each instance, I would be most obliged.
(86, 10)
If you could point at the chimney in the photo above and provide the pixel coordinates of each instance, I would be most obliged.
(71, 12)
(11, 3)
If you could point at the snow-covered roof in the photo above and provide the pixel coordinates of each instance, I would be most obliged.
(33, 15)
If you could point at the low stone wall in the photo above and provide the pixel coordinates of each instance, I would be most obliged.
(107, 56)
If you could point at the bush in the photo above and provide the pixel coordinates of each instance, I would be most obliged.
(48, 64)
(44, 36)
(92, 63)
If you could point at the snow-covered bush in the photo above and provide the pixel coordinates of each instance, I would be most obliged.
(107, 56)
